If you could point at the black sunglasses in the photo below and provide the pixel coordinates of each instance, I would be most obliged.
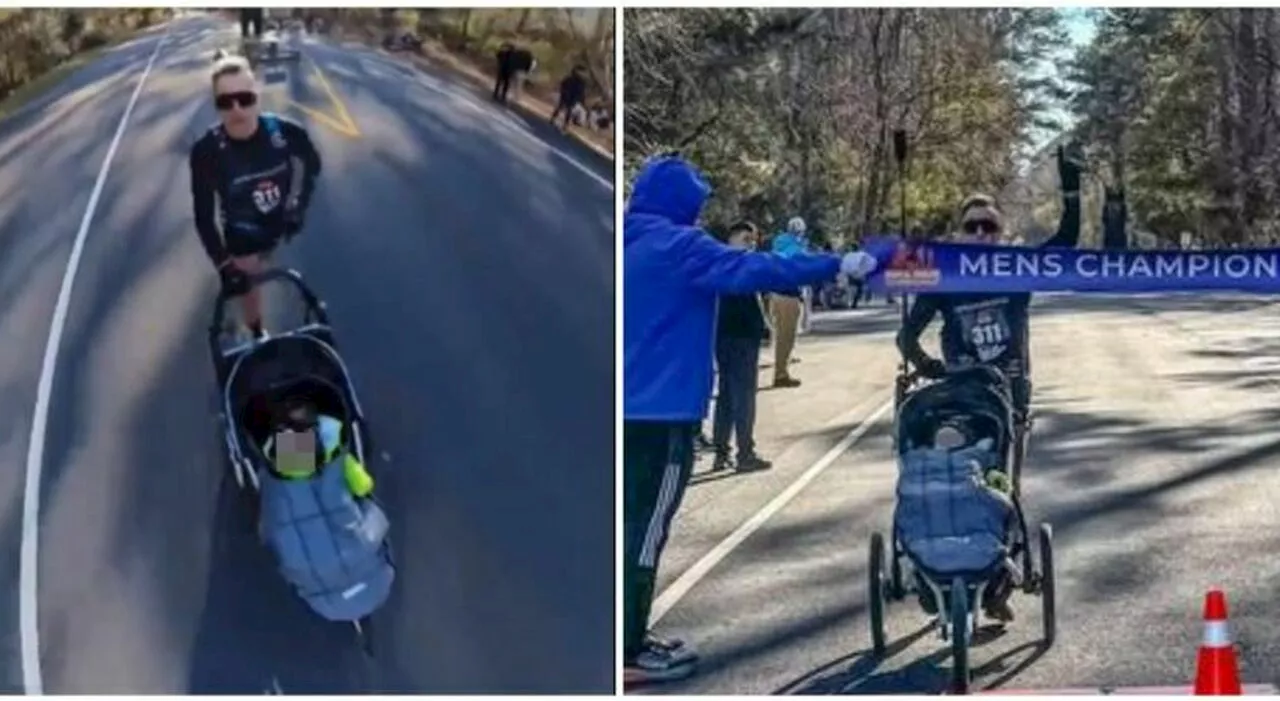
(225, 101)
(980, 226)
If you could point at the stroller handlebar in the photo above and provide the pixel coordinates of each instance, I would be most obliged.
(315, 308)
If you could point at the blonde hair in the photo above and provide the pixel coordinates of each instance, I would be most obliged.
(230, 65)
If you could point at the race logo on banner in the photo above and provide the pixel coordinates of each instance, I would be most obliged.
(912, 266)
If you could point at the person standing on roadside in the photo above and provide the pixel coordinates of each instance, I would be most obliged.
(785, 305)
(573, 93)
(503, 70)
(673, 273)
(740, 329)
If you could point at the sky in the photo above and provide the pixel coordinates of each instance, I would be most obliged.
(1081, 28)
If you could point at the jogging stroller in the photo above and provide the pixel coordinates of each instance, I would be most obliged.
(330, 543)
(959, 522)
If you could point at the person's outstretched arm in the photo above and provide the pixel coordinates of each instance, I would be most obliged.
(204, 188)
(714, 267)
(922, 311)
(1068, 234)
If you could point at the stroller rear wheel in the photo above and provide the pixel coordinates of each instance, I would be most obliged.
(1048, 588)
(876, 593)
(959, 637)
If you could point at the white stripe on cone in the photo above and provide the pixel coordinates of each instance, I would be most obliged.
(1216, 635)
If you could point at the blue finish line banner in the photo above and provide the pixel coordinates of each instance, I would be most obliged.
(950, 267)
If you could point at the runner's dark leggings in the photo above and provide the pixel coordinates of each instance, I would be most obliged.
(657, 461)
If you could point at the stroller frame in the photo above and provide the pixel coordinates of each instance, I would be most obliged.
(958, 602)
(227, 363)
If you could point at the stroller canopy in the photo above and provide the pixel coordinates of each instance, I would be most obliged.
(977, 399)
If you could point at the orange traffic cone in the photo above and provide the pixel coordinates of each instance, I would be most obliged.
(1216, 671)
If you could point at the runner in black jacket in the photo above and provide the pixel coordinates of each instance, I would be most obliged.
(990, 329)
(252, 177)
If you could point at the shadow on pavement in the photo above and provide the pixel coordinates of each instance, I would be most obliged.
(837, 676)
(1097, 579)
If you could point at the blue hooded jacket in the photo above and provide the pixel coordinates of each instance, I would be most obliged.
(672, 275)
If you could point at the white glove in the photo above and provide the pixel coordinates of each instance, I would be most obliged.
(857, 264)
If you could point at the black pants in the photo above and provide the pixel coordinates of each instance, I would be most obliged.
(657, 460)
(567, 108)
(501, 86)
(248, 18)
(738, 361)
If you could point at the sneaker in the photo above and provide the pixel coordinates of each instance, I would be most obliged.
(753, 463)
(659, 662)
(665, 643)
(999, 611)
(721, 462)
(783, 382)
(701, 444)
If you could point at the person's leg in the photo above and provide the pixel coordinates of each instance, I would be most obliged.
(806, 310)
(251, 301)
(998, 605)
(775, 317)
(788, 313)
(722, 424)
(657, 462)
(1021, 391)
(745, 408)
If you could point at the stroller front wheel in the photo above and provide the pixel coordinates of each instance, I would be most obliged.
(959, 637)
(876, 593)
(1048, 588)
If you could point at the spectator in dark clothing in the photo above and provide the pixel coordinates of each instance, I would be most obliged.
(740, 329)
(251, 21)
(502, 83)
(513, 64)
(573, 93)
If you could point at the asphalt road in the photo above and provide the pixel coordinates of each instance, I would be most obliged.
(467, 259)
(1153, 457)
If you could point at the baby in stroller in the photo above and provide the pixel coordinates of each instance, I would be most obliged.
(305, 438)
(956, 514)
(318, 514)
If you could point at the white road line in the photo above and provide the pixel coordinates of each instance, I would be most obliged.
(28, 603)
(690, 577)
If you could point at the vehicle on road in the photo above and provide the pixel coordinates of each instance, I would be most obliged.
(959, 523)
(254, 379)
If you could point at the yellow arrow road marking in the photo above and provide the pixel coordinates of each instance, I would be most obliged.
(341, 121)
(343, 127)
(333, 95)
